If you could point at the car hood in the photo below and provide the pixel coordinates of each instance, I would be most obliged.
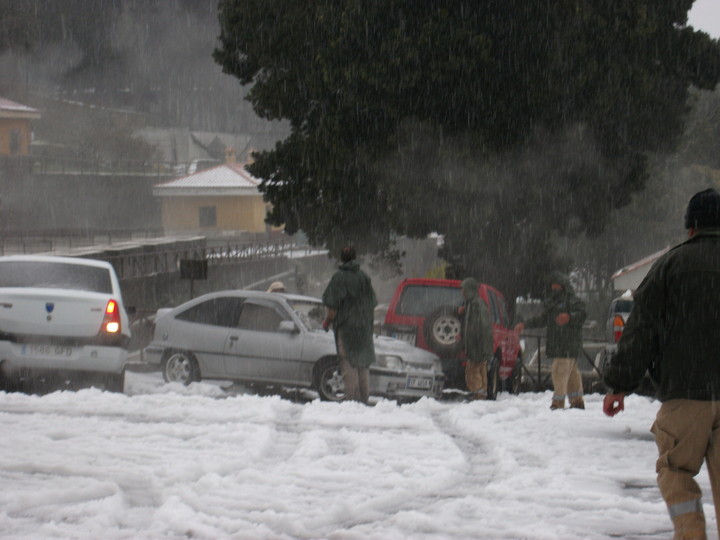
(410, 354)
(384, 346)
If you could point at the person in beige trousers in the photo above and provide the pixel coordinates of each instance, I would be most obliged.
(563, 315)
(672, 333)
(477, 339)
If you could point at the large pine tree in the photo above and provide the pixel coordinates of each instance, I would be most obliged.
(498, 123)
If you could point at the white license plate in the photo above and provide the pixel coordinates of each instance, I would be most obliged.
(407, 338)
(419, 383)
(48, 351)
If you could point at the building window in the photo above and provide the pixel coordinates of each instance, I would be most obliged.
(208, 216)
(14, 142)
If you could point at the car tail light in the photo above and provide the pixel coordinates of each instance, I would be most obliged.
(111, 321)
(618, 327)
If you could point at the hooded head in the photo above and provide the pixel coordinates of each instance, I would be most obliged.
(559, 283)
(347, 254)
(469, 288)
(703, 210)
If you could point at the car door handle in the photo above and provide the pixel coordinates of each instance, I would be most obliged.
(234, 338)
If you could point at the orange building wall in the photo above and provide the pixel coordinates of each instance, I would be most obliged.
(233, 213)
(6, 127)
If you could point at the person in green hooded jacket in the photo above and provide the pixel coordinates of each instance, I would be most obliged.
(350, 301)
(563, 316)
(477, 339)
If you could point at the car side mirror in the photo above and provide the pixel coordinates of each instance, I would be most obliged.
(287, 327)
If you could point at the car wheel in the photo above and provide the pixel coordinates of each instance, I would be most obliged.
(115, 382)
(181, 367)
(493, 378)
(329, 381)
(442, 331)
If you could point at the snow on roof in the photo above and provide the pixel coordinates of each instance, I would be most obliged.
(10, 109)
(641, 263)
(226, 179)
(630, 277)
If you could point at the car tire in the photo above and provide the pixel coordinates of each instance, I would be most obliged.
(442, 331)
(115, 382)
(328, 380)
(182, 367)
(493, 378)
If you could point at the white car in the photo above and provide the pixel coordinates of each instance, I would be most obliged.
(61, 318)
(277, 338)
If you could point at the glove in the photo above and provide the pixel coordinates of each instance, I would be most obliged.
(326, 324)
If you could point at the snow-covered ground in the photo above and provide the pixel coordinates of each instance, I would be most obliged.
(208, 461)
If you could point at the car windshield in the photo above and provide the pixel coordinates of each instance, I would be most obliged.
(55, 276)
(311, 314)
(420, 300)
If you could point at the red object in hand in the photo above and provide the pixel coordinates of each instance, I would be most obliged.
(461, 311)
(613, 404)
(326, 325)
(562, 319)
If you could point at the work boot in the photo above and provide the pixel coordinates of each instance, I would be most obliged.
(557, 404)
(690, 526)
(577, 403)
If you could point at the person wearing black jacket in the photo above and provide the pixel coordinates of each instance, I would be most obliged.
(673, 331)
(563, 315)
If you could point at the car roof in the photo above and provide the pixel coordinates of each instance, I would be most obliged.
(57, 259)
(434, 282)
(257, 294)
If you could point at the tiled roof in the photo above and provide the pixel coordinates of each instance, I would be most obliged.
(17, 110)
(229, 179)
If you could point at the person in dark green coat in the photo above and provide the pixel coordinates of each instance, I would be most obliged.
(672, 331)
(477, 339)
(563, 315)
(350, 301)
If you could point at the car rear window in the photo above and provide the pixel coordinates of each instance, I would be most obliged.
(55, 276)
(421, 300)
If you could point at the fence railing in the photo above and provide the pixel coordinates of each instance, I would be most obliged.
(57, 240)
(537, 371)
(70, 165)
(133, 265)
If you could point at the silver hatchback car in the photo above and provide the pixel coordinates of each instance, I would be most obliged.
(276, 338)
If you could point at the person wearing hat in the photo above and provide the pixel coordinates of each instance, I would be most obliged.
(276, 286)
(563, 316)
(477, 339)
(672, 331)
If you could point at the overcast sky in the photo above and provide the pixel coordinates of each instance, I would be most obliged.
(705, 15)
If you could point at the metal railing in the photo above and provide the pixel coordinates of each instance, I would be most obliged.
(42, 165)
(58, 240)
(539, 375)
(133, 265)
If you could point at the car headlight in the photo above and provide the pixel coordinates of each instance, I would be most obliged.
(390, 361)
